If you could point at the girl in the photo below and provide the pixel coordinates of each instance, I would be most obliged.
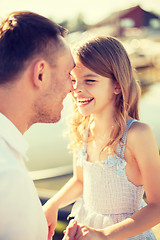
(115, 155)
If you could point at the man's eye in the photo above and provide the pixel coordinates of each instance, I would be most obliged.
(69, 75)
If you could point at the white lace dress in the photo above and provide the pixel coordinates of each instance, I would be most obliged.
(108, 196)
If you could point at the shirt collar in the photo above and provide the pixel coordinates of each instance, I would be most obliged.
(12, 135)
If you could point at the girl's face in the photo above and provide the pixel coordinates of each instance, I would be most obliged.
(93, 93)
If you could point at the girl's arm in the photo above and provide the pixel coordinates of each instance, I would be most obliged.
(141, 142)
(72, 189)
(143, 146)
(65, 196)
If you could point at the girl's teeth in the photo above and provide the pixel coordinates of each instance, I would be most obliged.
(84, 101)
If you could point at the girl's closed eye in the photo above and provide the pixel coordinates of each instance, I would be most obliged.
(73, 82)
(90, 81)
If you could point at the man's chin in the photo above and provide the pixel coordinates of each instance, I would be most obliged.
(47, 118)
(56, 119)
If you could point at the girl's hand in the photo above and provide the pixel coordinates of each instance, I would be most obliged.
(51, 212)
(87, 233)
(75, 231)
(70, 232)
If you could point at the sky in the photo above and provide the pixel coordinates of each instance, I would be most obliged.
(59, 10)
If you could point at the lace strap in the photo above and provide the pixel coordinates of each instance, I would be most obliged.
(121, 148)
(82, 152)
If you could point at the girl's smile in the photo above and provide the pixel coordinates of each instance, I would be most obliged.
(84, 101)
(93, 93)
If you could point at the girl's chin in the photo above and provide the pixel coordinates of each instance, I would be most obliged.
(83, 113)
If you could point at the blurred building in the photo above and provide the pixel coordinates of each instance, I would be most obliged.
(131, 21)
(138, 29)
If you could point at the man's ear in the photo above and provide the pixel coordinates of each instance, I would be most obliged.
(38, 72)
(117, 89)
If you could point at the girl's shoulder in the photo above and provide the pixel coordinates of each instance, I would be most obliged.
(139, 129)
(140, 134)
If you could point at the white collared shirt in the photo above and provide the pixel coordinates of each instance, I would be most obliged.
(21, 215)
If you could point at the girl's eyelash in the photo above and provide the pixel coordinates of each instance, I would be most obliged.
(87, 81)
(90, 80)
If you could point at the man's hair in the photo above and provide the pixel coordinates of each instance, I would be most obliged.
(23, 36)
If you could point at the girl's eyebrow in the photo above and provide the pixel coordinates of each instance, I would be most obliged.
(90, 75)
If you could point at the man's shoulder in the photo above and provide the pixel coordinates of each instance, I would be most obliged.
(9, 159)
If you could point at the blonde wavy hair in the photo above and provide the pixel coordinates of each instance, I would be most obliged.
(107, 57)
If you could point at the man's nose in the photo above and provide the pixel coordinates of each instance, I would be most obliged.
(72, 88)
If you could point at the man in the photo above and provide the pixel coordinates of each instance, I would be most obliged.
(35, 65)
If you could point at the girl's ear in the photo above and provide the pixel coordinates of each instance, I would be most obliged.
(117, 89)
(38, 73)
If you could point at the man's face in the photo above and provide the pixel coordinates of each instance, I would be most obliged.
(50, 104)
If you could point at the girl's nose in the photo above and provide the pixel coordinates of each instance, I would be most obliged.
(77, 88)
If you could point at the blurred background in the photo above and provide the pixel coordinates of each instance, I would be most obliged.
(137, 24)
